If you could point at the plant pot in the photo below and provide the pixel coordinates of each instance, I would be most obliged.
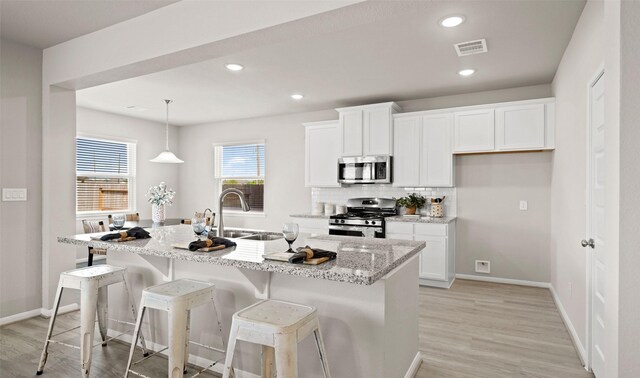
(158, 213)
(410, 211)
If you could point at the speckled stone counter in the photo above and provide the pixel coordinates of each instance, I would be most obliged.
(444, 220)
(310, 216)
(360, 260)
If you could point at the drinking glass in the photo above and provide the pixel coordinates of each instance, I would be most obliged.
(199, 225)
(290, 232)
(118, 221)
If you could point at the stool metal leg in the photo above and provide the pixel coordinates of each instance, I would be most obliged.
(143, 344)
(134, 341)
(177, 326)
(103, 313)
(186, 341)
(88, 305)
(268, 354)
(286, 346)
(233, 334)
(56, 305)
(321, 351)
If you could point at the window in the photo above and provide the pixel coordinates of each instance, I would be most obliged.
(241, 166)
(105, 175)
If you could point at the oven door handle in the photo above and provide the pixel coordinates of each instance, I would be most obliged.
(354, 228)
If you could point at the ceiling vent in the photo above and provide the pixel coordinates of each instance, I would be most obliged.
(471, 47)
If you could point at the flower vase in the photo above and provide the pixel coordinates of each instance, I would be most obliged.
(157, 213)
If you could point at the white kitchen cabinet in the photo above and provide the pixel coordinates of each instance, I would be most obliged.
(406, 158)
(520, 127)
(422, 151)
(436, 162)
(437, 259)
(350, 133)
(474, 130)
(321, 154)
(367, 130)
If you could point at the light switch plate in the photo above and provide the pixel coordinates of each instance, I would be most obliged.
(524, 205)
(14, 194)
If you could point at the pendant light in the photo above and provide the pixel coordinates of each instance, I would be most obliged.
(167, 156)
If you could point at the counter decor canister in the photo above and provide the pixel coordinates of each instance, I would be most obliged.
(437, 207)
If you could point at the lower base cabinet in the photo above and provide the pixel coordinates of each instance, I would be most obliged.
(437, 259)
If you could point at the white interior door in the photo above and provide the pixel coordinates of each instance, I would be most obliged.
(596, 226)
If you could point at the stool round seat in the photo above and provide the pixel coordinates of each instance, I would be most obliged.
(278, 326)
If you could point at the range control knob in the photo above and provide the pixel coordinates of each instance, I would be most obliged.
(366, 222)
(373, 222)
(342, 221)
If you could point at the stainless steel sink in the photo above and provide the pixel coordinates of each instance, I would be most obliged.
(263, 237)
(235, 234)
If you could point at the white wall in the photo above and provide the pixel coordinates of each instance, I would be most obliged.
(622, 116)
(581, 61)
(20, 157)
(491, 225)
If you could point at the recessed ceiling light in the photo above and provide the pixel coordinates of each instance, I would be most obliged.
(467, 72)
(297, 96)
(451, 21)
(234, 67)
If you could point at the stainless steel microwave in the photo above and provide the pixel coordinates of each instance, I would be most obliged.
(364, 170)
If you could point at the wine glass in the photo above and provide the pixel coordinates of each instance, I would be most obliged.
(118, 221)
(290, 232)
(199, 225)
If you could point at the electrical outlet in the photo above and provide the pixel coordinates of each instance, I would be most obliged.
(483, 266)
(524, 205)
(14, 194)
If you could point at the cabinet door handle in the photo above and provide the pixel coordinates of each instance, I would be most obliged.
(588, 243)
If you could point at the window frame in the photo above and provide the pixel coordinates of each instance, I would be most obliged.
(218, 180)
(132, 146)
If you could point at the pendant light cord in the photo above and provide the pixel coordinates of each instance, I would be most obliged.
(167, 125)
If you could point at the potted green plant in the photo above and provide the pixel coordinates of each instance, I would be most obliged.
(411, 202)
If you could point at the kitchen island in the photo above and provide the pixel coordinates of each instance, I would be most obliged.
(367, 299)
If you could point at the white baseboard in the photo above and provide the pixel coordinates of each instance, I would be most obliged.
(195, 360)
(47, 312)
(582, 352)
(21, 316)
(415, 365)
(509, 281)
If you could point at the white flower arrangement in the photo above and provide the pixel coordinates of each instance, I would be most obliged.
(160, 194)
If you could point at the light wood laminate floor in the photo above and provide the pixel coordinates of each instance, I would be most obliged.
(474, 329)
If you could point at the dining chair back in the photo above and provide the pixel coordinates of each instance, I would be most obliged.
(91, 226)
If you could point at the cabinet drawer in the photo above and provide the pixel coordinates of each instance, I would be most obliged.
(399, 228)
(399, 236)
(430, 229)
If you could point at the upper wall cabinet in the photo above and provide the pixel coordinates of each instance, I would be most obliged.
(514, 126)
(321, 154)
(366, 130)
(422, 154)
(474, 130)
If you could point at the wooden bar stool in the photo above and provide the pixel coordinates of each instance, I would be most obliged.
(279, 327)
(177, 298)
(93, 284)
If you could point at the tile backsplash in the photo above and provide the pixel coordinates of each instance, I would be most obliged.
(339, 196)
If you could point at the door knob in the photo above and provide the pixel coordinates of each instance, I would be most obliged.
(588, 243)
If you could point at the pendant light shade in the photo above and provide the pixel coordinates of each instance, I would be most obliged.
(167, 156)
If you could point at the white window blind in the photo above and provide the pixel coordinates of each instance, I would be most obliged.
(105, 175)
(241, 166)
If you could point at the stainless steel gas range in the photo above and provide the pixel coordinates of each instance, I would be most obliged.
(364, 218)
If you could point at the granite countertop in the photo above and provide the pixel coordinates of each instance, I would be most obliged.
(309, 215)
(423, 219)
(360, 260)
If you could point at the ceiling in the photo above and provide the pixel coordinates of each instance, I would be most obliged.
(45, 23)
(400, 57)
